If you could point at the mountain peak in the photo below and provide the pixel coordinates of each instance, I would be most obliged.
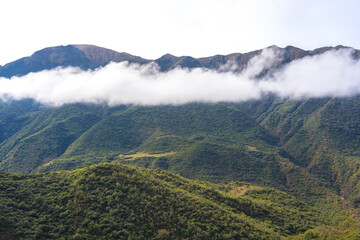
(88, 56)
(83, 56)
(274, 47)
(100, 56)
(47, 58)
(168, 55)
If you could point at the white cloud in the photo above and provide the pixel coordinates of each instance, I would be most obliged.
(334, 73)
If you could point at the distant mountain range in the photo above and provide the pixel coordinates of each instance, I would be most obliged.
(91, 57)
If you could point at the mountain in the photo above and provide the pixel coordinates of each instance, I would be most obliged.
(290, 53)
(81, 130)
(123, 202)
(305, 150)
(47, 136)
(82, 56)
(15, 115)
(91, 57)
(322, 136)
(168, 62)
(213, 142)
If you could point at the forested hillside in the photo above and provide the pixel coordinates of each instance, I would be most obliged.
(321, 135)
(123, 202)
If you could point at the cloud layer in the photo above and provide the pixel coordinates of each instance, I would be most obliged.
(334, 73)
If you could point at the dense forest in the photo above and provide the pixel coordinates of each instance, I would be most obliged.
(124, 202)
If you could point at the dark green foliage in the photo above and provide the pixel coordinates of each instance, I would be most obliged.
(119, 202)
(346, 230)
(47, 136)
(319, 135)
(166, 128)
(219, 163)
(214, 142)
(14, 115)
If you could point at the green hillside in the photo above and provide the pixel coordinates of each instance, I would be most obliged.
(321, 135)
(123, 202)
(164, 129)
(47, 136)
(212, 142)
(346, 230)
(14, 115)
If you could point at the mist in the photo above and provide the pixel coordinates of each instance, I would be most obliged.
(334, 73)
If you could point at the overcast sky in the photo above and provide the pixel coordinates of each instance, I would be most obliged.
(181, 27)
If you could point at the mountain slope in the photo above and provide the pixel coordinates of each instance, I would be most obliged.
(82, 56)
(47, 136)
(99, 56)
(308, 148)
(192, 132)
(14, 115)
(118, 202)
(322, 135)
(213, 142)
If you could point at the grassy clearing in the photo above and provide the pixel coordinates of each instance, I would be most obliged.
(237, 191)
(251, 148)
(144, 154)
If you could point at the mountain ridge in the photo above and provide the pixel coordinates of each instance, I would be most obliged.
(87, 56)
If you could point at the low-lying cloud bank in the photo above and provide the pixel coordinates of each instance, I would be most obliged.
(333, 73)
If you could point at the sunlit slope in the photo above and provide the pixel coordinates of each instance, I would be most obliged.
(213, 142)
(118, 201)
(322, 136)
(208, 138)
(47, 136)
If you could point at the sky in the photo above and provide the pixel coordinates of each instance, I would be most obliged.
(198, 28)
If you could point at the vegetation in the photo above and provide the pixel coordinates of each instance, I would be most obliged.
(274, 168)
(346, 230)
(320, 135)
(47, 136)
(300, 160)
(212, 142)
(14, 115)
(85, 132)
(121, 202)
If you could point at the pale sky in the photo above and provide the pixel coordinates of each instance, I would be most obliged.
(198, 28)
